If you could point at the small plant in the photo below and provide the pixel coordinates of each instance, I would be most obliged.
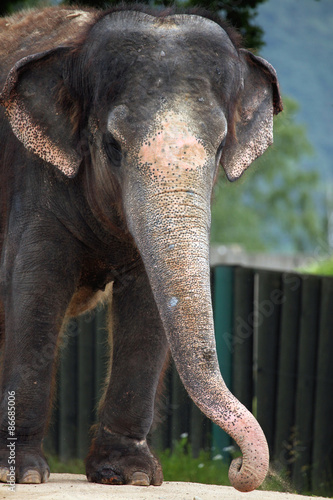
(180, 465)
(73, 466)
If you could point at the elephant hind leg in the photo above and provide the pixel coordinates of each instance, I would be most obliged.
(119, 453)
(122, 460)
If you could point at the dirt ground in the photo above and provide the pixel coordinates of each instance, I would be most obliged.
(76, 487)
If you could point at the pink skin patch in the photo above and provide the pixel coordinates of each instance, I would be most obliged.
(172, 144)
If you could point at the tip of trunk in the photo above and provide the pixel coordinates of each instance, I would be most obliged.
(244, 478)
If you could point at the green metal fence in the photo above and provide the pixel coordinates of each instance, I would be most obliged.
(275, 345)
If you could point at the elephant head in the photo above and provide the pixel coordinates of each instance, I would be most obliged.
(147, 108)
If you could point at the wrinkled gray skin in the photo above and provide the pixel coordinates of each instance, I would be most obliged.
(157, 104)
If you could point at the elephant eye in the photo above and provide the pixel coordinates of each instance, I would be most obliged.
(221, 146)
(112, 149)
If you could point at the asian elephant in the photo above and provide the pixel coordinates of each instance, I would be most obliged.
(113, 127)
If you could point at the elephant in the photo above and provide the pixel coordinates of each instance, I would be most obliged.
(113, 126)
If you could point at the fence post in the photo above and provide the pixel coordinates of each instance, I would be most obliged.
(180, 404)
(267, 321)
(242, 375)
(322, 471)
(223, 279)
(197, 429)
(103, 353)
(306, 382)
(85, 375)
(287, 371)
(51, 440)
(68, 396)
(160, 435)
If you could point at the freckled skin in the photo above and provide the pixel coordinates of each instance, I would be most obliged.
(22, 125)
(172, 145)
(112, 128)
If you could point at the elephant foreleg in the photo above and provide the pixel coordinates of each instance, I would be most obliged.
(38, 281)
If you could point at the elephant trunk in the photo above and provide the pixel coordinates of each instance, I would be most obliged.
(171, 229)
(168, 184)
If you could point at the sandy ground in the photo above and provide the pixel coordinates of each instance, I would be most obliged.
(76, 487)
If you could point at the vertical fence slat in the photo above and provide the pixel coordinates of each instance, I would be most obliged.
(306, 380)
(197, 420)
(51, 440)
(287, 371)
(68, 399)
(223, 318)
(102, 354)
(160, 435)
(267, 321)
(180, 404)
(323, 429)
(242, 375)
(86, 382)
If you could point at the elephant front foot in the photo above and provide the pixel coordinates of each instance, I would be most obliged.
(26, 465)
(117, 459)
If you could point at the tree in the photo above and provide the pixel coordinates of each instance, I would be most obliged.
(240, 13)
(277, 205)
(10, 6)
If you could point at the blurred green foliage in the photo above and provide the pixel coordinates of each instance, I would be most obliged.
(299, 36)
(239, 13)
(10, 6)
(276, 205)
(320, 267)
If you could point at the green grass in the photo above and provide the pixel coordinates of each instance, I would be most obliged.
(74, 466)
(180, 465)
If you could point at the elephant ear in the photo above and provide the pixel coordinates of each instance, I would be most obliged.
(252, 131)
(30, 96)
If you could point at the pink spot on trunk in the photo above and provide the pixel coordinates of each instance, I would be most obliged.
(172, 144)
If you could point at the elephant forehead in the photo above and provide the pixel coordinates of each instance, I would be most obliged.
(172, 143)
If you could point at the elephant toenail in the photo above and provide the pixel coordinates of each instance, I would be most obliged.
(109, 476)
(140, 479)
(31, 476)
(4, 472)
(46, 476)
